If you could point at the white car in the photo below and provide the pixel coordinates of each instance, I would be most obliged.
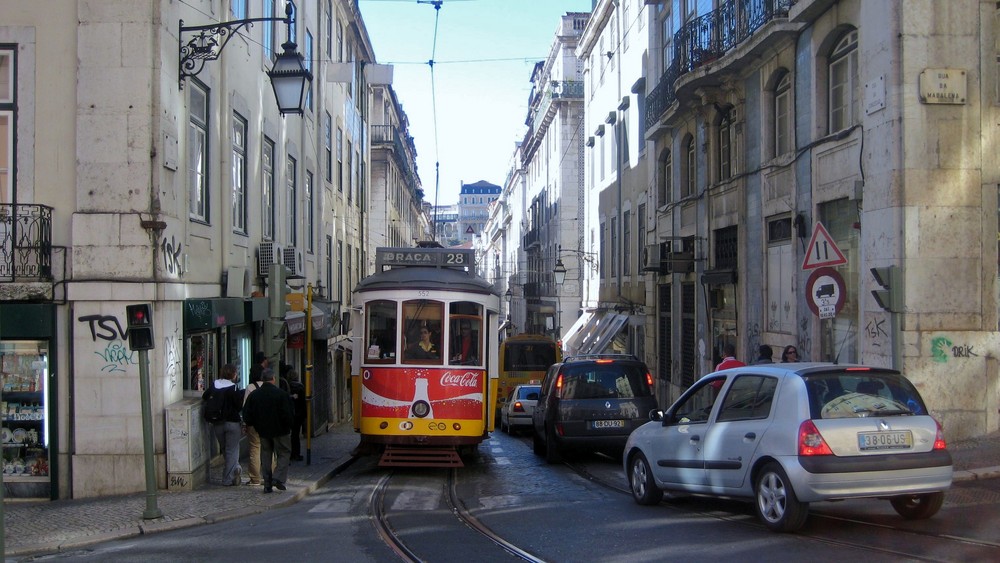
(787, 435)
(516, 412)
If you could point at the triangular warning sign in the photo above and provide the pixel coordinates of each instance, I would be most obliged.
(822, 251)
(470, 231)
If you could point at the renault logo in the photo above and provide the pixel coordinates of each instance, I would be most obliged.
(607, 405)
(883, 425)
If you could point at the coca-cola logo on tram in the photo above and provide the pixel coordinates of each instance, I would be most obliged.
(451, 393)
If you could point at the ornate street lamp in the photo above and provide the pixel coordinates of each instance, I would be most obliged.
(289, 76)
(559, 272)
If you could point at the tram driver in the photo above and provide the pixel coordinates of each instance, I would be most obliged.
(424, 348)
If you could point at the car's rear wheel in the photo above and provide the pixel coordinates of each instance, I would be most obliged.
(536, 442)
(775, 501)
(552, 453)
(918, 507)
(640, 476)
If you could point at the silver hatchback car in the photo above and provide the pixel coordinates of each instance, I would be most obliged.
(787, 435)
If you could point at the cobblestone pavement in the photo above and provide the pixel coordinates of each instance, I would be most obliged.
(31, 527)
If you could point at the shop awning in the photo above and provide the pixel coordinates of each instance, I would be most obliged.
(578, 342)
(319, 317)
(295, 322)
(611, 325)
(578, 325)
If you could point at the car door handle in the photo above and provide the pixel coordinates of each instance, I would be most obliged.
(695, 438)
(750, 436)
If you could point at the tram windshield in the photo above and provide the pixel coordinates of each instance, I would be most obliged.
(422, 331)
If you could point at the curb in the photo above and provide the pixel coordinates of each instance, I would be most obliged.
(977, 474)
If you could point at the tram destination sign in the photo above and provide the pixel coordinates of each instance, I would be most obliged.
(425, 257)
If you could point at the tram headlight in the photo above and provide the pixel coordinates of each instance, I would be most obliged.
(383, 425)
(421, 409)
(456, 426)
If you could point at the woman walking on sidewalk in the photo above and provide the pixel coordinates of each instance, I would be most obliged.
(260, 363)
(223, 402)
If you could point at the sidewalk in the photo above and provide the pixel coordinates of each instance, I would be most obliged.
(70, 524)
(62, 525)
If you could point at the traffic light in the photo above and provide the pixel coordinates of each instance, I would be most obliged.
(140, 326)
(890, 297)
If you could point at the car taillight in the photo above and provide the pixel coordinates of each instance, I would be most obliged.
(939, 443)
(604, 361)
(649, 379)
(811, 442)
(518, 407)
(559, 386)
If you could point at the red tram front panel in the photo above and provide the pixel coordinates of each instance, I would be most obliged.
(425, 403)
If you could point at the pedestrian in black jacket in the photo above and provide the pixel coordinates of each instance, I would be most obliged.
(298, 392)
(270, 411)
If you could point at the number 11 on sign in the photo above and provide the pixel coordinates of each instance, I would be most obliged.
(822, 250)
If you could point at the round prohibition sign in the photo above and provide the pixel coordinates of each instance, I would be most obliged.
(826, 292)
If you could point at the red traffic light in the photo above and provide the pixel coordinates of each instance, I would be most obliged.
(138, 315)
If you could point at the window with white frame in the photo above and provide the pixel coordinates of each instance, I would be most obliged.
(329, 29)
(640, 232)
(339, 178)
(267, 189)
(666, 37)
(783, 115)
(292, 192)
(268, 41)
(627, 243)
(239, 174)
(309, 212)
(843, 82)
(239, 9)
(197, 152)
(350, 172)
(614, 246)
(690, 180)
(307, 62)
(7, 125)
(328, 145)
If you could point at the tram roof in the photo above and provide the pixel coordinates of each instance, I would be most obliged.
(414, 277)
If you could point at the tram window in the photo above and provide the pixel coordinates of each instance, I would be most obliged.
(381, 344)
(422, 331)
(465, 323)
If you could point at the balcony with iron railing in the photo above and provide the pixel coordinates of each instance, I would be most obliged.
(389, 135)
(707, 39)
(25, 242)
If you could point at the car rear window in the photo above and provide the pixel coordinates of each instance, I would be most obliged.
(604, 381)
(523, 392)
(856, 394)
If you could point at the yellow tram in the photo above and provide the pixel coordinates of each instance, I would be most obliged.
(424, 367)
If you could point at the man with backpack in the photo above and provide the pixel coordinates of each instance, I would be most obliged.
(222, 404)
(269, 410)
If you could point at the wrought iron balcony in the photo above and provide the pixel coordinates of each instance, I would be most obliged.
(25, 242)
(708, 38)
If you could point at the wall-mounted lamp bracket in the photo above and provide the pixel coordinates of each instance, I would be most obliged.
(210, 39)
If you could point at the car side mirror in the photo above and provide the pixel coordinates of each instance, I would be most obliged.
(655, 415)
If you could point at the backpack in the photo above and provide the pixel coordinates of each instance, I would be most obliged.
(215, 405)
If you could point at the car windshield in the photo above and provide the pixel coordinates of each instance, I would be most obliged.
(604, 381)
(856, 394)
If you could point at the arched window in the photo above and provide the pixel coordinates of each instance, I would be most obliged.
(690, 176)
(783, 115)
(666, 192)
(843, 82)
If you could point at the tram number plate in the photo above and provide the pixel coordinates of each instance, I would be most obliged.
(902, 440)
(608, 424)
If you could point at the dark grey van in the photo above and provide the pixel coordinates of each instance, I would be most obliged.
(591, 403)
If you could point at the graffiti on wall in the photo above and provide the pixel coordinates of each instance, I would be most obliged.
(172, 251)
(107, 330)
(943, 348)
(804, 343)
(753, 341)
(172, 357)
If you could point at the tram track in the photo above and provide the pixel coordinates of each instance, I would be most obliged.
(391, 537)
(914, 554)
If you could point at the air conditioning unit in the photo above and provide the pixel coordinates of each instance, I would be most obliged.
(671, 262)
(268, 253)
(651, 258)
(294, 263)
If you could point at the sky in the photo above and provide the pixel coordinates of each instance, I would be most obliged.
(468, 118)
